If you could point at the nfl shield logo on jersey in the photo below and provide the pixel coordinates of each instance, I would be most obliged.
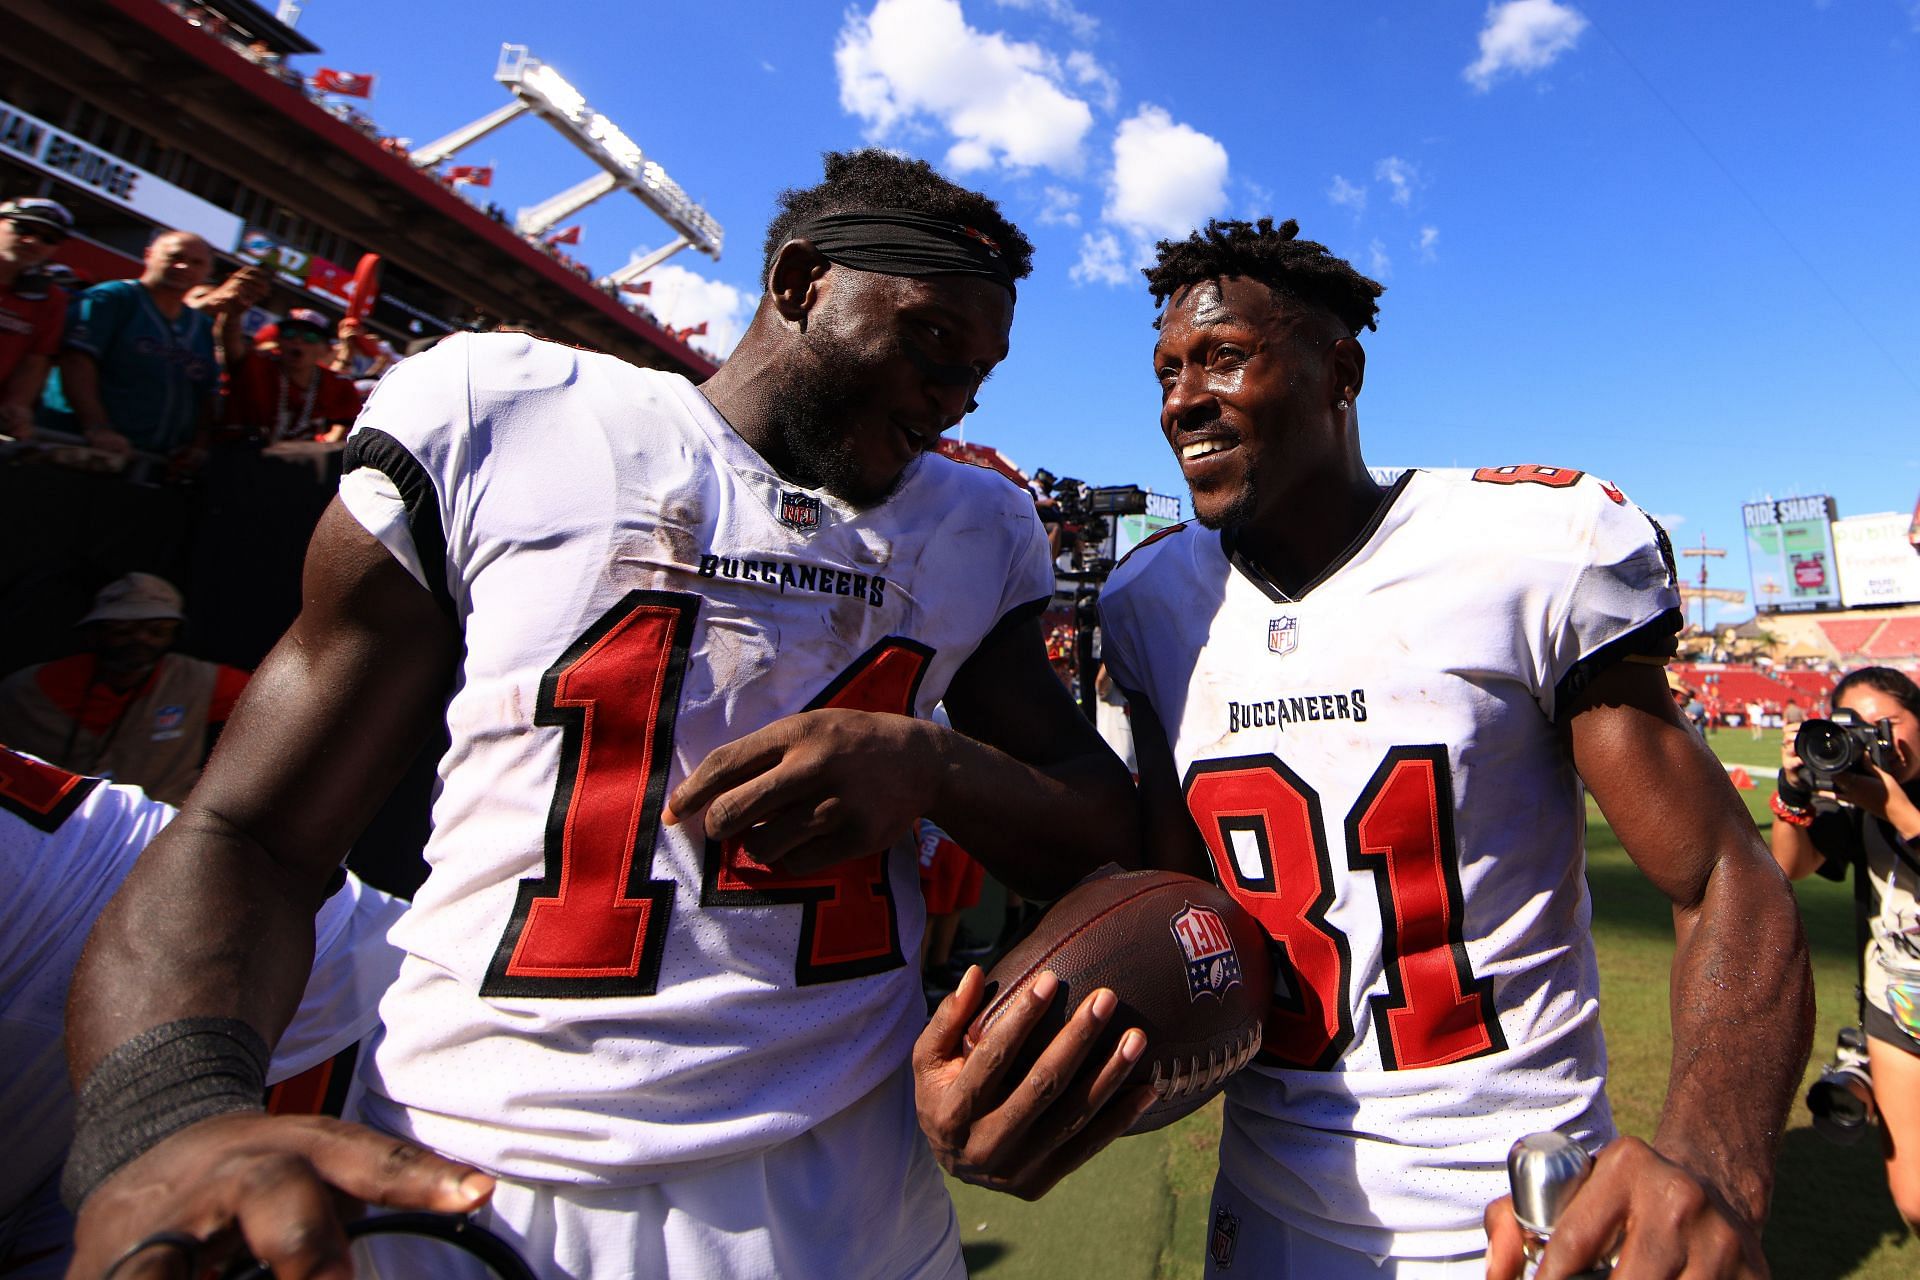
(1283, 635)
(1212, 965)
(1226, 1229)
(799, 511)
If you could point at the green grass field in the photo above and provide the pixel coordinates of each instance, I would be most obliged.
(1139, 1209)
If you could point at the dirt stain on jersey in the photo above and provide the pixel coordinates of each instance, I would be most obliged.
(667, 546)
(736, 648)
(496, 707)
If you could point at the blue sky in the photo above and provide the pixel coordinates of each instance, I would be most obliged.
(1673, 244)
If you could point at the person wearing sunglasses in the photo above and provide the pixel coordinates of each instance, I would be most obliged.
(288, 393)
(33, 309)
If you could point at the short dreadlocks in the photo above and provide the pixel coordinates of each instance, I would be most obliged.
(860, 181)
(1301, 272)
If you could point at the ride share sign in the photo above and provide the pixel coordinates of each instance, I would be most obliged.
(1790, 553)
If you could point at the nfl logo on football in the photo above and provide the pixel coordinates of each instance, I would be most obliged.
(1283, 635)
(799, 511)
(1212, 965)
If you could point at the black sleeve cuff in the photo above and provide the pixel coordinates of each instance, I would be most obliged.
(1015, 617)
(371, 448)
(1654, 640)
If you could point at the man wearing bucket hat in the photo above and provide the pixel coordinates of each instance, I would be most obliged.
(124, 707)
(33, 308)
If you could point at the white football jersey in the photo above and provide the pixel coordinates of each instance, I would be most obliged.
(591, 996)
(66, 843)
(1376, 771)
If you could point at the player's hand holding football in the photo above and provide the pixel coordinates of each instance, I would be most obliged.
(1663, 1220)
(817, 788)
(1022, 1136)
(274, 1185)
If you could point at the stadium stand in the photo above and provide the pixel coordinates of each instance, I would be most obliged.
(1811, 684)
(1850, 635)
(1897, 638)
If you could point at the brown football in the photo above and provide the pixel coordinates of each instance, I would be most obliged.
(1188, 963)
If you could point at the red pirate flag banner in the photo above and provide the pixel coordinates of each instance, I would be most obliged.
(348, 84)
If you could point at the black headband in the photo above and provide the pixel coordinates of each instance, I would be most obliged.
(900, 242)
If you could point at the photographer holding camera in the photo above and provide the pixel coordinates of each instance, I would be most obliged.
(1849, 796)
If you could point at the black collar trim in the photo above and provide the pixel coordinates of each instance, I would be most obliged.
(1258, 576)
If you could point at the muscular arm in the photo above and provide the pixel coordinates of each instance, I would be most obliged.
(217, 917)
(80, 379)
(1172, 844)
(22, 392)
(1792, 845)
(1742, 993)
(1028, 786)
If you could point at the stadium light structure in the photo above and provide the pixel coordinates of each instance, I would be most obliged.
(540, 90)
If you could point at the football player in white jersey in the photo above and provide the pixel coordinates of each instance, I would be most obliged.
(1370, 712)
(66, 842)
(658, 997)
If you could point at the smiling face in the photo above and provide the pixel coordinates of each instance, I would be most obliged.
(1248, 390)
(883, 365)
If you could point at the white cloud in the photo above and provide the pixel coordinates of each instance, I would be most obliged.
(1399, 175)
(1060, 208)
(1524, 36)
(1094, 78)
(1083, 26)
(910, 61)
(1379, 265)
(682, 299)
(1429, 237)
(1168, 177)
(1101, 261)
(1349, 195)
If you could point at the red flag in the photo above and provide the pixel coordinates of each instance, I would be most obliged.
(477, 175)
(348, 84)
(696, 331)
(568, 235)
(329, 280)
(637, 286)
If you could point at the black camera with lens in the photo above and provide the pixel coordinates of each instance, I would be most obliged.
(1844, 744)
(1841, 1100)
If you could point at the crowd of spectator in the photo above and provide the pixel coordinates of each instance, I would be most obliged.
(157, 367)
(267, 59)
(154, 435)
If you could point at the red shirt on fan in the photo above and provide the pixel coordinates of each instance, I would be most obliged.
(258, 396)
(30, 323)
